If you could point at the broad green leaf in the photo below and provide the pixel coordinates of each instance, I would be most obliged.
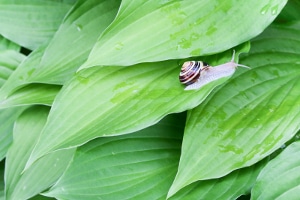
(280, 178)
(251, 116)
(18, 78)
(104, 101)
(74, 40)
(24, 184)
(231, 186)
(5, 44)
(9, 61)
(141, 165)
(162, 30)
(32, 94)
(7, 119)
(30, 23)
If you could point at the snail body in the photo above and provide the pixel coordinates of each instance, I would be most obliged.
(195, 74)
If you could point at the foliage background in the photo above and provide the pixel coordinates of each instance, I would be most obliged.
(91, 106)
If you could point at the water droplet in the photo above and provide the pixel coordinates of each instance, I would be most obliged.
(274, 10)
(78, 27)
(113, 153)
(119, 46)
(265, 9)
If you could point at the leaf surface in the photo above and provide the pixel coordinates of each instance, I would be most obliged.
(25, 184)
(125, 167)
(105, 101)
(251, 116)
(30, 23)
(162, 30)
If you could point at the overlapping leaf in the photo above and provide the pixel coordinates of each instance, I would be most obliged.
(251, 116)
(141, 165)
(22, 185)
(280, 178)
(56, 62)
(30, 23)
(161, 30)
(72, 43)
(105, 101)
(231, 186)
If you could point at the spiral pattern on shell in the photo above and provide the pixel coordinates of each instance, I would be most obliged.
(191, 71)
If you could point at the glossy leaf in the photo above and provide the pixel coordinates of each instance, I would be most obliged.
(251, 116)
(162, 30)
(231, 186)
(104, 101)
(141, 165)
(41, 175)
(30, 23)
(72, 43)
(280, 178)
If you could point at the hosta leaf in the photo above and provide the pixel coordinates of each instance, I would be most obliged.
(30, 23)
(74, 39)
(141, 165)
(280, 178)
(41, 175)
(9, 60)
(161, 30)
(5, 44)
(7, 119)
(231, 186)
(290, 12)
(105, 101)
(42, 94)
(251, 116)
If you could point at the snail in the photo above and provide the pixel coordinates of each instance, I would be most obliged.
(194, 74)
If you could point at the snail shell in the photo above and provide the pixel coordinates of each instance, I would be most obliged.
(191, 71)
(193, 77)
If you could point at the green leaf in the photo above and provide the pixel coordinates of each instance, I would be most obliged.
(7, 119)
(24, 184)
(30, 23)
(248, 118)
(290, 12)
(104, 101)
(5, 44)
(32, 94)
(231, 186)
(162, 30)
(9, 60)
(280, 178)
(125, 167)
(74, 40)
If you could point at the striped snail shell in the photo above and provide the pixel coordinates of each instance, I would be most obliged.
(191, 71)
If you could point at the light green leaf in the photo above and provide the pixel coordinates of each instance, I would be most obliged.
(141, 165)
(104, 101)
(9, 60)
(231, 186)
(162, 30)
(19, 76)
(32, 94)
(7, 119)
(31, 23)
(248, 118)
(41, 175)
(74, 40)
(5, 44)
(280, 178)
